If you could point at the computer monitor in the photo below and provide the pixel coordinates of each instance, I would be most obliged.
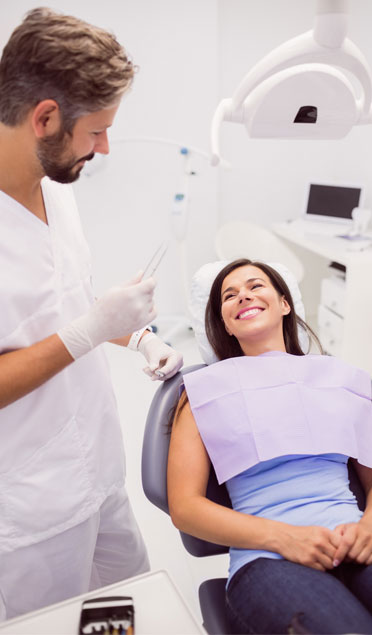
(327, 202)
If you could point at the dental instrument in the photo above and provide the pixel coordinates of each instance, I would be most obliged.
(317, 85)
(155, 260)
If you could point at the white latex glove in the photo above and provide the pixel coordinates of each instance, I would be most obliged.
(120, 311)
(164, 361)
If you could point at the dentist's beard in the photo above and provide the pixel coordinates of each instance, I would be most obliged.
(49, 152)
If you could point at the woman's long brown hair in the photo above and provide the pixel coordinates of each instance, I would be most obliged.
(225, 345)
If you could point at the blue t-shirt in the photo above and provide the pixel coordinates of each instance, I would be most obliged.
(294, 489)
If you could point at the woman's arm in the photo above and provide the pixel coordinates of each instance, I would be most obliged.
(193, 513)
(356, 538)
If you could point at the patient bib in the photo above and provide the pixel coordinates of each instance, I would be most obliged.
(252, 409)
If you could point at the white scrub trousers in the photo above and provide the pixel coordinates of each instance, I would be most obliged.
(106, 548)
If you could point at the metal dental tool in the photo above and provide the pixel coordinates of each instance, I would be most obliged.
(155, 260)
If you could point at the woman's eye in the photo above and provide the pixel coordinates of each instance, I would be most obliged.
(228, 297)
(257, 285)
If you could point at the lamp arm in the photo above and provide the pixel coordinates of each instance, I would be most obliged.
(303, 49)
(331, 22)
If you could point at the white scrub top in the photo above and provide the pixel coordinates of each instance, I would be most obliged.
(61, 451)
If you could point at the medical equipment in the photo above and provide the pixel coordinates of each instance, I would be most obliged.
(326, 202)
(315, 86)
(155, 260)
(171, 324)
(154, 481)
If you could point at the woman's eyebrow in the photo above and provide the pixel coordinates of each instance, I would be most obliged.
(247, 281)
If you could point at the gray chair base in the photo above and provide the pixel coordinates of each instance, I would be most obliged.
(212, 606)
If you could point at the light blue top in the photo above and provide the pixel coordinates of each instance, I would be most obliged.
(295, 489)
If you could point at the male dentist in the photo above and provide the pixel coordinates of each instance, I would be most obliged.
(66, 525)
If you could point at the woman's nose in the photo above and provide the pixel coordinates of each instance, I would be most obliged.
(244, 294)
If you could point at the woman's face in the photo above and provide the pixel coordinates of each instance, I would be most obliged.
(252, 310)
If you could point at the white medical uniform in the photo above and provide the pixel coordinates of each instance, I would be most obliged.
(65, 520)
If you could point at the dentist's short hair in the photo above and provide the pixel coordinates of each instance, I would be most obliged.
(54, 56)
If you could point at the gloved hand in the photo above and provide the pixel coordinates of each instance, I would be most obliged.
(120, 311)
(164, 361)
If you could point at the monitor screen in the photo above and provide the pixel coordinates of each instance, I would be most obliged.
(332, 201)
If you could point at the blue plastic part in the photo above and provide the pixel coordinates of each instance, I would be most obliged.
(184, 151)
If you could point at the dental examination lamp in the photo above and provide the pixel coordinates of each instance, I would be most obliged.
(315, 86)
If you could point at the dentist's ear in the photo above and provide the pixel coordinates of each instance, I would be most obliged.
(46, 118)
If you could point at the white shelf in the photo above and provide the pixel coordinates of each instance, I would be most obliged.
(355, 345)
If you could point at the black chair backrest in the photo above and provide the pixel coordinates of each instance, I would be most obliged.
(356, 487)
(155, 457)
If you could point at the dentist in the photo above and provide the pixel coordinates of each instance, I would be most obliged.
(66, 525)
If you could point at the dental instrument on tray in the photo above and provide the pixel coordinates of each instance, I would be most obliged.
(155, 260)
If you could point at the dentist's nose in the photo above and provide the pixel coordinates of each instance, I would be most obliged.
(102, 143)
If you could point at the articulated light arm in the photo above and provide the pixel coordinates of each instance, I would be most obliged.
(326, 44)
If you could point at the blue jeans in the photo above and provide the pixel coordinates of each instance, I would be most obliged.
(278, 596)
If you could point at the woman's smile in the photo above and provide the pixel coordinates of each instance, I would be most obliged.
(249, 312)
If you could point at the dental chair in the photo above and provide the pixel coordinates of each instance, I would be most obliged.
(156, 446)
(154, 482)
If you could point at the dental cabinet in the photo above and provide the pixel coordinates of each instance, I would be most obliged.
(341, 306)
(331, 313)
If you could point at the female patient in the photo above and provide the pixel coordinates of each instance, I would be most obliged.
(279, 427)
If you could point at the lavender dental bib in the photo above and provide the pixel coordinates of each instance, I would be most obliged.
(252, 409)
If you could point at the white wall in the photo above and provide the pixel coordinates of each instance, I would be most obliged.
(126, 209)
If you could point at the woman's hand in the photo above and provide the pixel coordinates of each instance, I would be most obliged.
(355, 542)
(311, 546)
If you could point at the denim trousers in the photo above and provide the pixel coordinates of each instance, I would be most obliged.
(278, 596)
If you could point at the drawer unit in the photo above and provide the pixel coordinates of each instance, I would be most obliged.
(333, 291)
(330, 330)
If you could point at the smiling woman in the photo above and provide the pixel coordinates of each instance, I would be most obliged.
(278, 426)
(234, 288)
(252, 310)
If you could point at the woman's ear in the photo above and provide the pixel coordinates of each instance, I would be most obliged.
(286, 309)
(46, 118)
